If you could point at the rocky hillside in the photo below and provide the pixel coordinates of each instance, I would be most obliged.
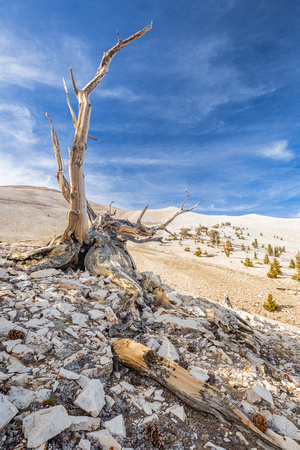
(62, 386)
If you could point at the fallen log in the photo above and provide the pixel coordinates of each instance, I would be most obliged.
(197, 394)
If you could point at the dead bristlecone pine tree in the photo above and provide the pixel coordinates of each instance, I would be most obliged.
(96, 244)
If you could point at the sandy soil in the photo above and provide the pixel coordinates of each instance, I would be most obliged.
(31, 214)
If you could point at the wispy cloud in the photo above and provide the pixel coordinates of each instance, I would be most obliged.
(25, 61)
(278, 151)
(119, 93)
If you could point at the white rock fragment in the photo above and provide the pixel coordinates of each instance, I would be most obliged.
(67, 374)
(92, 398)
(84, 423)
(79, 319)
(75, 357)
(199, 373)
(105, 439)
(264, 393)
(178, 411)
(44, 424)
(96, 314)
(38, 343)
(286, 427)
(69, 284)
(44, 273)
(168, 350)
(224, 356)
(211, 445)
(116, 426)
(99, 295)
(7, 411)
(110, 315)
(22, 398)
(153, 344)
(17, 367)
(71, 332)
(84, 444)
(9, 345)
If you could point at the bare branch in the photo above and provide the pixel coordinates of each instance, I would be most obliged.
(72, 111)
(108, 56)
(164, 225)
(138, 222)
(76, 90)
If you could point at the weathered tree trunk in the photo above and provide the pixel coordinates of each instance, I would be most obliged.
(197, 394)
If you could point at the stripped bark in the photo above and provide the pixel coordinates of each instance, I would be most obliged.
(197, 394)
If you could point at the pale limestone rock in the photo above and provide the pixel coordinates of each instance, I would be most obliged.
(21, 350)
(178, 411)
(75, 357)
(69, 284)
(5, 326)
(79, 319)
(67, 374)
(7, 411)
(9, 345)
(174, 300)
(105, 439)
(253, 397)
(153, 344)
(84, 444)
(36, 323)
(71, 332)
(99, 371)
(147, 408)
(127, 386)
(17, 367)
(3, 274)
(99, 295)
(110, 315)
(92, 398)
(264, 393)
(224, 356)
(199, 373)
(66, 308)
(4, 376)
(44, 424)
(96, 314)
(44, 273)
(22, 398)
(168, 350)
(286, 427)
(38, 343)
(177, 322)
(84, 423)
(116, 426)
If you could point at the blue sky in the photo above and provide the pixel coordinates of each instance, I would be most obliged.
(208, 100)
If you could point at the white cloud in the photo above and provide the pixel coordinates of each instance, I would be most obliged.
(120, 93)
(278, 151)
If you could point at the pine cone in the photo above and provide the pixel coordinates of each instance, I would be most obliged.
(4, 388)
(260, 422)
(16, 334)
(155, 435)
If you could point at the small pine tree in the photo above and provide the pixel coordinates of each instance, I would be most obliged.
(255, 243)
(248, 262)
(266, 259)
(297, 264)
(292, 264)
(255, 255)
(275, 269)
(270, 250)
(243, 247)
(277, 266)
(270, 304)
(187, 249)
